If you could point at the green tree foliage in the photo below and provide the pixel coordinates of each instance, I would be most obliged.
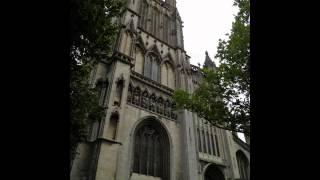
(223, 96)
(92, 32)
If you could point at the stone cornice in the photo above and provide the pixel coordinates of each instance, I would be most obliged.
(212, 159)
(108, 140)
(123, 58)
(159, 115)
(152, 83)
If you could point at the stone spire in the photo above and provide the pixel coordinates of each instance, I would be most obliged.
(208, 63)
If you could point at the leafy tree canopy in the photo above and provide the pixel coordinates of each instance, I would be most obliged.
(223, 96)
(92, 32)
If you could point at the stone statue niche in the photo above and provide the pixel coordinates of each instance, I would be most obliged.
(152, 106)
(119, 89)
(167, 108)
(160, 106)
(145, 99)
(136, 96)
(113, 125)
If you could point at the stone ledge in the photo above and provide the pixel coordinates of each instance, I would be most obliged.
(152, 83)
(211, 159)
(139, 107)
(109, 140)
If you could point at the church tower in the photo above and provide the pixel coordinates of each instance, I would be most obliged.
(142, 137)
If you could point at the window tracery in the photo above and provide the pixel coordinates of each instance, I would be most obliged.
(151, 151)
(152, 67)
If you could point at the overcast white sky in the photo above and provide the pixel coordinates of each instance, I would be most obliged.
(205, 22)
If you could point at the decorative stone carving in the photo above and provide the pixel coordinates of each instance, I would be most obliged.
(160, 106)
(152, 102)
(145, 100)
(173, 115)
(136, 96)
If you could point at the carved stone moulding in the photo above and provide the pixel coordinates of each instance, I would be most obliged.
(151, 99)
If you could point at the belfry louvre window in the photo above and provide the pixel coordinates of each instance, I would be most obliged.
(151, 152)
(152, 67)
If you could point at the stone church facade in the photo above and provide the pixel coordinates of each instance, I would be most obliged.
(142, 137)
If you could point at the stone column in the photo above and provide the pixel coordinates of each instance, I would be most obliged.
(189, 154)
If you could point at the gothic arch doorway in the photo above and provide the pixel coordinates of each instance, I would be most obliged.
(213, 173)
(151, 151)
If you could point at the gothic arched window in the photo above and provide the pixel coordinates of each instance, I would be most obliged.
(152, 67)
(168, 75)
(213, 173)
(243, 165)
(151, 150)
